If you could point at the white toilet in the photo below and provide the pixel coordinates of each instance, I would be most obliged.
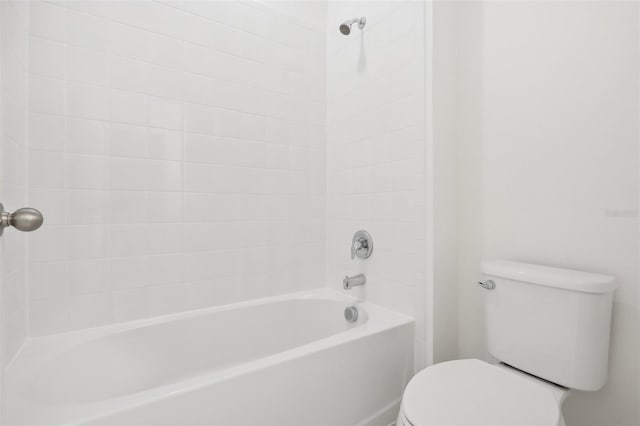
(548, 327)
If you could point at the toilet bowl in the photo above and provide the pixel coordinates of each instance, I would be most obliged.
(471, 392)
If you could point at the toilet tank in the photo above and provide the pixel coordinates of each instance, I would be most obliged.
(550, 322)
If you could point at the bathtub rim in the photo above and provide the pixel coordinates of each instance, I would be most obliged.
(38, 350)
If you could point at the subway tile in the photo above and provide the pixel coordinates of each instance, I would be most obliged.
(165, 82)
(165, 144)
(166, 299)
(90, 310)
(47, 20)
(215, 292)
(48, 316)
(15, 329)
(88, 276)
(130, 304)
(47, 132)
(171, 145)
(87, 31)
(127, 41)
(163, 239)
(165, 51)
(51, 202)
(132, 13)
(126, 140)
(128, 107)
(13, 167)
(164, 207)
(14, 266)
(46, 95)
(201, 148)
(129, 74)
(47, 169)
(198, 119)
(129, 240)
(47, 58)
(87, 241)
(87, 136)
(165, 269)
(87, 207)
(164, 175)
(87, 171)
(128, 207)
(198, 89)
(48, 244)
(88, 101)
(199, 60)
(48, 280)
(129, 272)
(87, 66)
(128, 174)
(165, 114)
(202, 177)
(97, 8)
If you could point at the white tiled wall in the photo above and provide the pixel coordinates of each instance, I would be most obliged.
(375, 152)
(13, 154)
(177, 150)
(182, 153)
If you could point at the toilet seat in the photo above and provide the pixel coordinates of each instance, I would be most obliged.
(471, 392)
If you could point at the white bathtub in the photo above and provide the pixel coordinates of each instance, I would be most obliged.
(287, 360)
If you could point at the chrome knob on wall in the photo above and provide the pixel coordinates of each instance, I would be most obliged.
(25, 219)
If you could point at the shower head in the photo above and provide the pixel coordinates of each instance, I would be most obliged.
(345, 27)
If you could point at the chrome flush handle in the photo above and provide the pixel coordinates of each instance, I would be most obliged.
(488, 284)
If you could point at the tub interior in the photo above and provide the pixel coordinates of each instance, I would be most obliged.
(150, 356)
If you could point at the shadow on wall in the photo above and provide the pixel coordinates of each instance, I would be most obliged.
(623, 387)
(362, 58)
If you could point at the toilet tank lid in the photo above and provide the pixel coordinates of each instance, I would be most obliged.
(567, 279)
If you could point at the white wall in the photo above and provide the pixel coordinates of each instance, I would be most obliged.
(13, 178)
(177, 150)
(375, 152)
(548, 151)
